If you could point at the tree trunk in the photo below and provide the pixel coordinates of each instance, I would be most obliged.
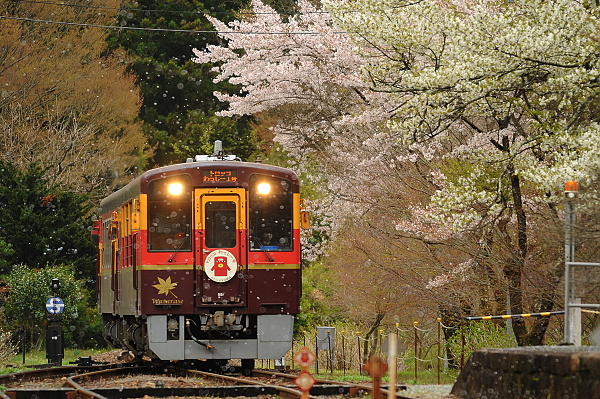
(514, 267)
(451, 317)
(376, 323)
(540, 325)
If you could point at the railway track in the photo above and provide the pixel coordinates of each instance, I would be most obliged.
(148, 380)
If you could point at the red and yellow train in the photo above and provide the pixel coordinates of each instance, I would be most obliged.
(201, 260)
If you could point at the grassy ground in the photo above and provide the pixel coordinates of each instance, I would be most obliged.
(39, 357)
(404, 377)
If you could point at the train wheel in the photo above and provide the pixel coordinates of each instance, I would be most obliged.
(247, 366)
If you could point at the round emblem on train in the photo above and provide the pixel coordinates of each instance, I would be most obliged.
(220, 266)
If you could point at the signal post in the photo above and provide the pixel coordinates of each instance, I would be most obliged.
(305, 380)
(54, 334)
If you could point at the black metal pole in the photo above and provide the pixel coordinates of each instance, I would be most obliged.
(24, 343)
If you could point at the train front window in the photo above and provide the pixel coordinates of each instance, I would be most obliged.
(170, 214)
(271, 216)
(220, 224)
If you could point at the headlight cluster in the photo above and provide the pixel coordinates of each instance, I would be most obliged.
(263, 188)
(175, 189)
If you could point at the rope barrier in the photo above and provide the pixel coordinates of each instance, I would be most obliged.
(420, 329)
(421, 360)
(417, 342)
(448, 327)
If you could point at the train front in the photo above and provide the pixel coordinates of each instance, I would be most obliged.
(215, 266)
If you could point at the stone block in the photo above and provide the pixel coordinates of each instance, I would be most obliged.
(565, 372)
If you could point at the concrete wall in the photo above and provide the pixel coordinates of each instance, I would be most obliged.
(557, 372)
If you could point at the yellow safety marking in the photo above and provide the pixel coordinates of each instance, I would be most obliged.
(143, 216)
(296, 211)
(508, 316)
(135, 214)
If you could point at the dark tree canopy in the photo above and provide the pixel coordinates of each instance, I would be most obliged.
(44, 224)
(178, 104)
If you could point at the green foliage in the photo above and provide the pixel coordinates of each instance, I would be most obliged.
(25, 306)
(278, 156)
(178, 102)
(478, 335)
(6, 252)
(316, 302)
(201, 131)
(480, 176)
(86, 330)
(42, 224)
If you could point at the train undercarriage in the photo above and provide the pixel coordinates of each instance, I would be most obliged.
(217, 336)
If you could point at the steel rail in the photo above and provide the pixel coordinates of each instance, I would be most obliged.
(73, 381)
(87, 393)
(49, 372)
(283, 391)
(364, 387)
(104, 371)
(46, 372)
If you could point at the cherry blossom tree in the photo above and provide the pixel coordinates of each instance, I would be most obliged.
(503, 100)
(304, 72)
(455, 121)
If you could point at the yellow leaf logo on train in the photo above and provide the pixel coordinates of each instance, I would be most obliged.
(165, 286)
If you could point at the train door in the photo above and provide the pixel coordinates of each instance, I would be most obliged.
(114, 236)
(220, 247)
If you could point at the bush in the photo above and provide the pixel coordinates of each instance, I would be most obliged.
(316, 305)
(478, 335)
(29, 289)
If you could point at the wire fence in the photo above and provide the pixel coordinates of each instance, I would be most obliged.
(419, 348)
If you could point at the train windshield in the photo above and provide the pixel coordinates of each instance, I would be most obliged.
(220, 222)
(271, 216)
(170, 214)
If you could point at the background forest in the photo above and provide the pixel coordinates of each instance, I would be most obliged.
(433, 139)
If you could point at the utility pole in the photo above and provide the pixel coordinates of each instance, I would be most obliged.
(572, 314)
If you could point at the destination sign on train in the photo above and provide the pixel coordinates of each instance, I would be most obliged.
(223, 175)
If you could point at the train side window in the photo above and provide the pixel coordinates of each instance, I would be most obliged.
(170, 214)
(271, 214)
(220, 222)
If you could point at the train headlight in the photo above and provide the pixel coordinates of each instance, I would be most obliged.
(263, 188)
(175, 189)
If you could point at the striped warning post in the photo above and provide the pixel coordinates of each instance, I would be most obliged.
(510, 316)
